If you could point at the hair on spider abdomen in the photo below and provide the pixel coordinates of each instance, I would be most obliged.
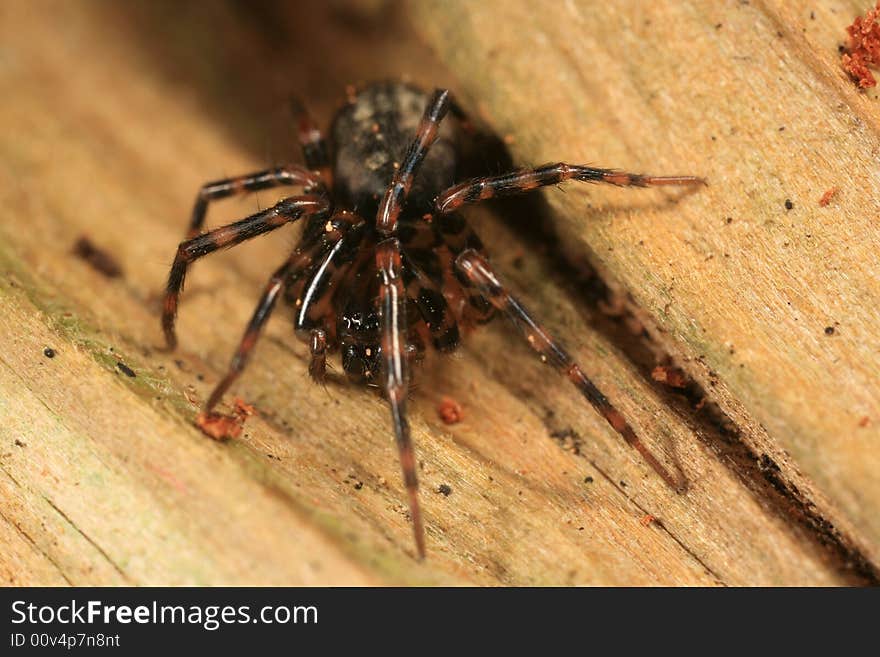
(386, 266)
(369, 139)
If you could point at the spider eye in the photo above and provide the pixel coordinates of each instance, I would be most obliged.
(353, 361)
(371, 322)
(360, 362)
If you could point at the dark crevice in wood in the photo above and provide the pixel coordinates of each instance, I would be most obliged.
(531, 219)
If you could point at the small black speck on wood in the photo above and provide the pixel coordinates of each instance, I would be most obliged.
(125, 369)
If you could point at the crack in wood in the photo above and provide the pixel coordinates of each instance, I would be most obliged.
(37, 547)
(659, 523)
(28, 538)
(89, 539)
(760, 474)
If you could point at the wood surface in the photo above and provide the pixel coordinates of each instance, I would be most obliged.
(121, 110)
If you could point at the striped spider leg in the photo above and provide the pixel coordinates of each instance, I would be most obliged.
(286, 211)
(291, 175)
(525, 180)
(324, 259)
(392, 300)
(478, 273)
(315, 177)
(314, 147)
(314, 318)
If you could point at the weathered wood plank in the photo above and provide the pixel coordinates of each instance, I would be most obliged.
(112, 467)
(24, 564)
(751, 96)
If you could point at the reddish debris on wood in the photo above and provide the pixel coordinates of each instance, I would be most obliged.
(827, 196)
(863, 47)
(671, 376)
(242, 409)
(221, 427)
(865, 421)
(647, 519)
(449, 411)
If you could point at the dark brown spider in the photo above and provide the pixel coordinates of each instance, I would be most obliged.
(386, 264)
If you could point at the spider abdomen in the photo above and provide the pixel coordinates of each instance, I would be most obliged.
(370, 136)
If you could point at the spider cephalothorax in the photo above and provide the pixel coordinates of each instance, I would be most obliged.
(386, 266)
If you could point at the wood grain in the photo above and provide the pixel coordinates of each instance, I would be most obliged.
(121, 111)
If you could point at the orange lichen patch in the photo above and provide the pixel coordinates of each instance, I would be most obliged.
(827, 196)
(449, 411)
(863, 47)
(671, 376)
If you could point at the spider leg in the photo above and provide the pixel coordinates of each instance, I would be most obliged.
(479, 273)
(318, 352)
(338, 247)
(432, 306)
(299, 261)
(395, 370)
(290, 209)
(293, 176)
(401, 183)
(314, 146)
(524, 180)
(249, 340)
(456, 235)
(342, 237)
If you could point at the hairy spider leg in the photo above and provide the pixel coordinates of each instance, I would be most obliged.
(249, 340)
(457, 235)
(318, 355)
(392, 298)
(524, 180)
(299, 261)
(477, 271)
(401, 183)
(342, 237)
(431, 305)
(314, 146)
(293, 176)
(286, 211)
(395, 371)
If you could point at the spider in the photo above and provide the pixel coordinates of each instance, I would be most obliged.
(386, 265)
